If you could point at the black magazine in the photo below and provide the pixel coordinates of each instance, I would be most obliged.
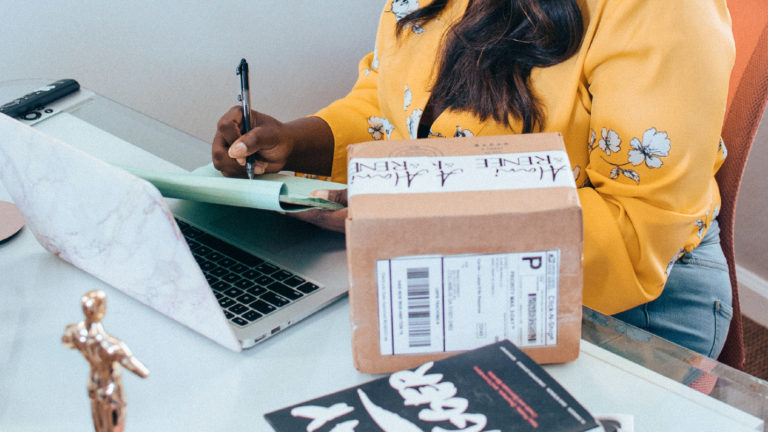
(491, 389)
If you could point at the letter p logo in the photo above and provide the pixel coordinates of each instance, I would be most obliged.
(533, 261)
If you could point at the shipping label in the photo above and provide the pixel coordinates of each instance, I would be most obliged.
(430, 303)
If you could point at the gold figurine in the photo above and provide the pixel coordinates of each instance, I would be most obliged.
(105, 354)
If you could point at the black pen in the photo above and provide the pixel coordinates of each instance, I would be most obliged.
(245, 100)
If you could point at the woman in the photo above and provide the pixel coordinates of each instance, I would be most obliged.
(637, 88)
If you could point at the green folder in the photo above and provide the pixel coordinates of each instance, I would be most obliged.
(277, 192)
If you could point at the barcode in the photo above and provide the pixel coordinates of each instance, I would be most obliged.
(532, 317)
(419, 331)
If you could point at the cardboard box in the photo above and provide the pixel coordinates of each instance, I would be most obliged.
(455, 243)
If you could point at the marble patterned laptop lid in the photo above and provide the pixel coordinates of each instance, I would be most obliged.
(108, 223)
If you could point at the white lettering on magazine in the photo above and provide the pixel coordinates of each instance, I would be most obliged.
(322, 415)
(416, 388)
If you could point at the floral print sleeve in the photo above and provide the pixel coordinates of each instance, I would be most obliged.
(653, 144)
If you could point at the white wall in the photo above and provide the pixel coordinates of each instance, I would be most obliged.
(175, 60)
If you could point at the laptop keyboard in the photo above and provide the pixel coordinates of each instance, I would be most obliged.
(246, 286)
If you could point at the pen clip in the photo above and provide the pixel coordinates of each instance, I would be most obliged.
(244, 96)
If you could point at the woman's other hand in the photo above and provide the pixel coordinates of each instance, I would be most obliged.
(332, 220)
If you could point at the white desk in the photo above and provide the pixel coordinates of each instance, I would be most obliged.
(196, 385)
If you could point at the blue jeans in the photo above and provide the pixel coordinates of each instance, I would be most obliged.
(694, 309)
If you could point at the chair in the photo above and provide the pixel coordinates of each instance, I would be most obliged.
(747, 96)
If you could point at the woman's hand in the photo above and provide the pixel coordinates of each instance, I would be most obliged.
(303, 145)
(329, 219)
(268, 138)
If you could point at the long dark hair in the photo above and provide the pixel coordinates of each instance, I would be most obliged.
(488, 55)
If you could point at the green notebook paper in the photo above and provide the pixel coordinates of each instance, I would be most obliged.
(277, 192)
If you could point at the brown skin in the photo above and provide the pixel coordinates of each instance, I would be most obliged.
(330, 220)
(303, 145)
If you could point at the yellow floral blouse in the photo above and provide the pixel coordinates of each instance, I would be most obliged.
(640, 107)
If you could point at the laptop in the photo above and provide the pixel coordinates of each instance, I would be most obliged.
(235, 275)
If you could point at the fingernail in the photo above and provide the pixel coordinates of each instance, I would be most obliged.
(238, 149)
(320, 193)
(259, 169)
